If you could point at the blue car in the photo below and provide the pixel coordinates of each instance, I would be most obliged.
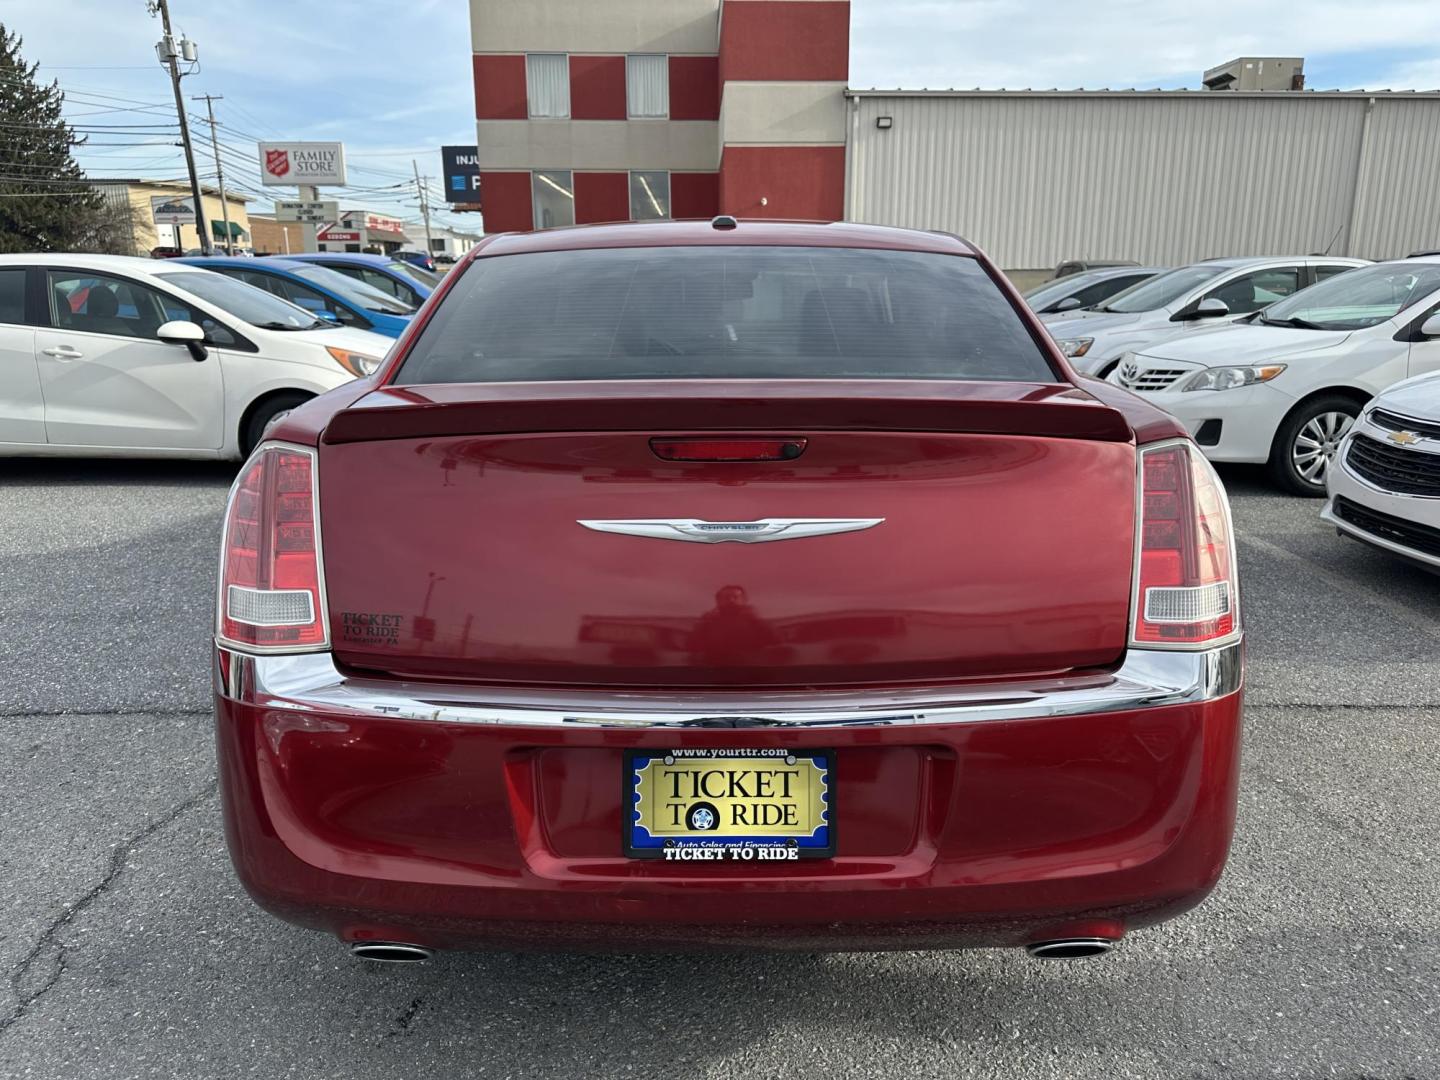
(397, 277)
(317, 289)
(417, 258)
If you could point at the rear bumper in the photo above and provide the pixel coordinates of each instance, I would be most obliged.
(1008, 814)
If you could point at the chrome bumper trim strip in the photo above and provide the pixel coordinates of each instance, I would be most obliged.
(310, 682)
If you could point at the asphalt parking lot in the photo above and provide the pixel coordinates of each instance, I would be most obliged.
(132, 952)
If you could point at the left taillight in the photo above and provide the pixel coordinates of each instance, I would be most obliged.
(1186, 593)
(271, 590)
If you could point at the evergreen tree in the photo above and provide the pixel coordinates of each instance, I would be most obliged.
(45, 205)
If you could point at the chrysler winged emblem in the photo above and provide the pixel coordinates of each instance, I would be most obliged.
(741, 532)
(1404, 438)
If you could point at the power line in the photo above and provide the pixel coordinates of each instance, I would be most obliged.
(47, 194)
(252, 118)
(242, 171)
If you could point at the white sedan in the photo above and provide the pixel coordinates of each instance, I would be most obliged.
(1385, 484)
(1283, 387)
(121, 356)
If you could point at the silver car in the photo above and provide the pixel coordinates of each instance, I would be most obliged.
(1086, 289)
(1190, 298)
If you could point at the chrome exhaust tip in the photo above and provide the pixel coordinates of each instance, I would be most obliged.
(1070, 948)
(390, 952)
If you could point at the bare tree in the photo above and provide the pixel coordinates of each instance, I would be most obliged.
(112, 230)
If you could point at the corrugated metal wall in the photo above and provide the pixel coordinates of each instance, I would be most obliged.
(1399, 205)
(1159, 178)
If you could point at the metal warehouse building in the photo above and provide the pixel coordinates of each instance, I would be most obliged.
(637, 109)
(1162, 177)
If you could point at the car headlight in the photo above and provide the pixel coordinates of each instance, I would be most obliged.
(1075, 346)
(1228, 378)
(357, 364)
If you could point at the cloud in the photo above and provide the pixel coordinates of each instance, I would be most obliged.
(1413, 75)
(1119, 43)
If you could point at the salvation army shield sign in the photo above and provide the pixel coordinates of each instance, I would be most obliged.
(301, 164)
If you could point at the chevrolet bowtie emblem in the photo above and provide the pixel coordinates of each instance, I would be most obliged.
(1404, 438)
(742, 532)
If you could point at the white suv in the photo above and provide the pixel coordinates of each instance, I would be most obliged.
(1200, 296)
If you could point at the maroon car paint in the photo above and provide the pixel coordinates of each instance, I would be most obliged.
(990, 560)
(452, 509)
(986, 834)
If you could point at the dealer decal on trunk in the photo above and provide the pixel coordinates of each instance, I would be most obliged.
(370, 628)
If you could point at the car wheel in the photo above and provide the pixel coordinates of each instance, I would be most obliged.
(1307, 442)
(267, 413)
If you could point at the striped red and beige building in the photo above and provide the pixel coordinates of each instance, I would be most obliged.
(617, 110)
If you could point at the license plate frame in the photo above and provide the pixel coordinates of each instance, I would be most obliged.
(766, 846)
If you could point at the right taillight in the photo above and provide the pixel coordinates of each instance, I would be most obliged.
(271, 595)
(1186, 590)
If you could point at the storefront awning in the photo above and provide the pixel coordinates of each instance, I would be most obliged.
(217, 230)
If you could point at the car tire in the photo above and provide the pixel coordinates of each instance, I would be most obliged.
(265, 414)
(1307, 442)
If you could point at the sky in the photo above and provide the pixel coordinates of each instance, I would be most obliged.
(392, 80)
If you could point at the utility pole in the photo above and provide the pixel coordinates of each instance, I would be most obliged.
(309, 231)
(424, 206)
(209, 100)
(170, 52)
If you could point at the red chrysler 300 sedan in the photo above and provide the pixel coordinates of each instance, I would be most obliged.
(708, 584)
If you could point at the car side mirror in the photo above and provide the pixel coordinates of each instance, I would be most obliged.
(1070, 303)
(183, 332)
(1212, 307)
(1431, 326)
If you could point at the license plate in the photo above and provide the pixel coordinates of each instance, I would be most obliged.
(731, 805)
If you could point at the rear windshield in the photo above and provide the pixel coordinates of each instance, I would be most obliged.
(724, 312)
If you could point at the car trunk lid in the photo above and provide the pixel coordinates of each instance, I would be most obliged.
(996, 526)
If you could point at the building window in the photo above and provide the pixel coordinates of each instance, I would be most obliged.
(547, 84)
(553, 193)
(647, 84)
(649, 196)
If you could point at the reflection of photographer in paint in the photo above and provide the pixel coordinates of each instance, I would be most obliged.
(731, 631)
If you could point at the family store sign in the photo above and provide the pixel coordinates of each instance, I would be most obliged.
(302, 163)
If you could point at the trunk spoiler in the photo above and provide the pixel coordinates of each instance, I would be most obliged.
(1047, 410)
